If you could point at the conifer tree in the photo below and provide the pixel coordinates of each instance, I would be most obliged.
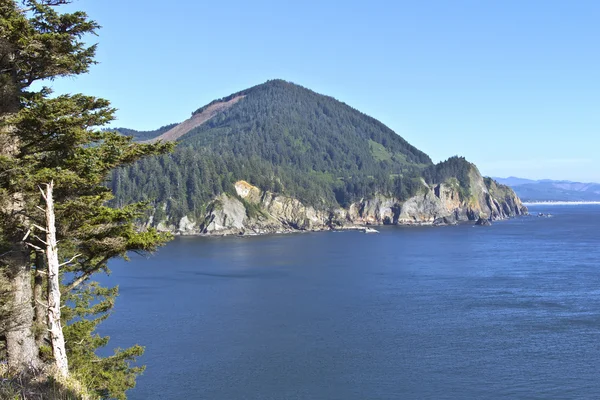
(44, 141)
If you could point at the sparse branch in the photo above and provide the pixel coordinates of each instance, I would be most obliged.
(40, 228)
(71, 260)
(40, 239)
(78, 281)
(33, 246)
(41, 304)
(43, 194)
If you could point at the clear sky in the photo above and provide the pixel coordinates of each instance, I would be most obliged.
(514, 86)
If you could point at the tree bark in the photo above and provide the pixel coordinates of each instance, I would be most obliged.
(23, 352)
(54, 324)
(41, 304)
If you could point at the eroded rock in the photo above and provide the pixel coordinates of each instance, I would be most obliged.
(260, 212)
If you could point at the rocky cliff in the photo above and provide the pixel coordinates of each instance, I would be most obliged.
(252, 211)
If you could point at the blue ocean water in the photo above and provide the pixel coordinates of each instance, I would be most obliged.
(510, 311)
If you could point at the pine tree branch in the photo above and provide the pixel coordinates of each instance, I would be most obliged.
(43, 194)
(41, 304)
(40, 228)
(70, 261)
(40, 239)
(34, 246)
(84, 276)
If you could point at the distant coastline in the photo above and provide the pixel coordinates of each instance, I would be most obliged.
(551, 191)
(560, 203)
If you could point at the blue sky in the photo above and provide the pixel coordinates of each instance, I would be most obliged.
(514, 86)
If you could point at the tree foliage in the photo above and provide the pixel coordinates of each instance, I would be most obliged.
(109, 377)
(280, 137)
(49, 138)
(454, 167)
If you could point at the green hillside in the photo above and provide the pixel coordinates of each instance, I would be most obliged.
(283, 138)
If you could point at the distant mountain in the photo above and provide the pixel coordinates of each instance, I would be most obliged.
(279, 140)
(513, 181)
(552, 190)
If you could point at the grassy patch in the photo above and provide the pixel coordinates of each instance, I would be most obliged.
(40, 387)
(379, 152)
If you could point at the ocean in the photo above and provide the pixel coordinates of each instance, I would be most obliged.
(510, 311)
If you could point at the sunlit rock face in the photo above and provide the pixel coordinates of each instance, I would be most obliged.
(254, 211)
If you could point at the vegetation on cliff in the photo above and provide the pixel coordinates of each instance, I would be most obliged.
(286, 139)
(453, 168)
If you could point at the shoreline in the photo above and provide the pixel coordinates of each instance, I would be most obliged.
(348, 228)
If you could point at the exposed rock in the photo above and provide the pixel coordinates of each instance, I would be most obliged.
(226, 215)
(260, 212)
(423, 209)
(450, 220)
(164, 227)
(187, 226)
(483, 222)
(248, 192)
(502, 201)
(375, 211)
(292, 213)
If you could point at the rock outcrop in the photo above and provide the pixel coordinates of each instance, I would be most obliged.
(253, 211)
(225, 214)
(483, 222)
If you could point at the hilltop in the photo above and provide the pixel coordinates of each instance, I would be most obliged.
(313, 153)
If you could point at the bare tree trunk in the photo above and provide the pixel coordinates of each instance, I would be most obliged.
(54, 324)
(41, 303)
(23, 352)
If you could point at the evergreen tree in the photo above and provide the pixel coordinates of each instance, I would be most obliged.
(53, 140)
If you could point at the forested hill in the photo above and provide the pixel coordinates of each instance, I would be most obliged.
(280, 137)
(281, 116)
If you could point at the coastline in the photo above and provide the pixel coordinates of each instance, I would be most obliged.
(237, 215)
(347, 228)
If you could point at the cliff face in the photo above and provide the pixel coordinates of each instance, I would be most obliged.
(253, 211)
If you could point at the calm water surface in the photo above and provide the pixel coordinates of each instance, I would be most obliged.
(508, 311)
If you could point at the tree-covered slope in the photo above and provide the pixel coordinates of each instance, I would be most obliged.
(285, 123)
(282, 138)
